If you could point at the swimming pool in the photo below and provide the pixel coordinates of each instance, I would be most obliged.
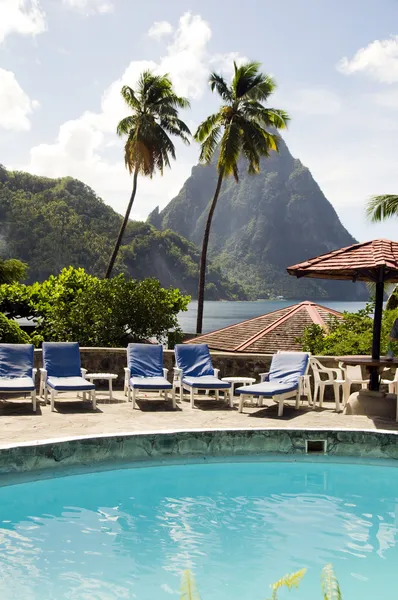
(237, 525)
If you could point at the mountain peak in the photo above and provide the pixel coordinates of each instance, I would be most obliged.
(262, 224)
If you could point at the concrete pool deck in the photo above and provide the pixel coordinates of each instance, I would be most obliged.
(19, 424)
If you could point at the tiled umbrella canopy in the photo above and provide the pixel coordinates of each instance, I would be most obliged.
(371, 261)
(375, 261)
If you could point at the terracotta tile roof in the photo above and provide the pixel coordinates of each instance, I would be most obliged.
(364, 262)
(268, 333)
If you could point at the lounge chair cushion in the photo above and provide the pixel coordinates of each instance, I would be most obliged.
(70, 384)
(16, 360)
(207, 382)
(62, 359)
(267, 389)
(17, 384)
(288, 366)
(145, 360)
(194, 360)
(150, 383)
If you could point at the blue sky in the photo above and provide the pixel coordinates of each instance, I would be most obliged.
(63, 62)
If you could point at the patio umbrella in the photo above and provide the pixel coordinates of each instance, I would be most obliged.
(375, 261)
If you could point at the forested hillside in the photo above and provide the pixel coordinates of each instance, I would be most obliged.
(55, 223)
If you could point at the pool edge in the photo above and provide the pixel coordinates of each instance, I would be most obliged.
(144, 446)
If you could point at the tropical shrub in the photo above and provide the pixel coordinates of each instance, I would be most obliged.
(75, 306)
(11, 333)
(352, 334)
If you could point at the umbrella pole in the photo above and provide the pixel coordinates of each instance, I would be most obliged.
(374, 373)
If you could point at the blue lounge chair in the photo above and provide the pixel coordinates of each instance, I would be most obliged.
(195, 371)
(287, 378)
(62, 372)
(145, 371)
(17, 374)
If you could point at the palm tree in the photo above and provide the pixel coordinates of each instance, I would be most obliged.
(382, 207)
(154, 116)
(241, 126)
(378, 209)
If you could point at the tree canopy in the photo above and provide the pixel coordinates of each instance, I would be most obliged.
(75, 306)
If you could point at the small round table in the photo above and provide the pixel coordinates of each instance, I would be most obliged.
(238, 380)
(106, 377)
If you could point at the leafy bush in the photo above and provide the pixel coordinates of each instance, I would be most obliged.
(11, 333)
(75, 306)
(12, 270)
(353, 334)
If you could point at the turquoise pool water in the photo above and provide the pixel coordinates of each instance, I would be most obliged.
(239, 526)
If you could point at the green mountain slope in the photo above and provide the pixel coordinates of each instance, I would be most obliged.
(262, 225)
(53, 223)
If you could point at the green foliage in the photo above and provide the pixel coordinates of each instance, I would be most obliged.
(352, 334)
(242, 124)
(154, 116)
(11, 333)
(330, 585)
(383, 207)
(75, 306)
(12, 270)
(312, 339)
(55, 223)
(289, 581)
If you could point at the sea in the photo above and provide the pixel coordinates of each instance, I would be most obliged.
(218, 314)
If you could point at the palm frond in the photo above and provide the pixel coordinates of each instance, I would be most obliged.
(205, 128)
(289, 581)
(330, 585)
(261, 88)
(126, 126)
(130, 98)
(243, 78)
(188, 587)
(230, 147)
(210, 144)
(382, 207)
(270, 117)
(218, 83)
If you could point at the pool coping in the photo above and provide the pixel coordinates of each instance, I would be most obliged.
(93, 452)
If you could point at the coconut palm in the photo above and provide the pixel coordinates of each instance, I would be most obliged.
(154, 117)
(382, 207)
(242, 126)
(378, 209)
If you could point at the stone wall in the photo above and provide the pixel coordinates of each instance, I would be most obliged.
(113, 360)
(106, 450)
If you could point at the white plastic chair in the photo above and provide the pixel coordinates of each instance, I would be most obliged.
(324, 376)
(352, 374)
(392, 383)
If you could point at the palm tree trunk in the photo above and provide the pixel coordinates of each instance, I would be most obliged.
(123, 227)
(203, 258)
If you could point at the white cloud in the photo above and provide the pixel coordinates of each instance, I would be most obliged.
(160, 29)
(379, 60)
(25, 17)
(85, 147)
(15, 104)
(88, 7)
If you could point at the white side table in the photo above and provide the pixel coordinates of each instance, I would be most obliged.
(106, 377)
(238, 381)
